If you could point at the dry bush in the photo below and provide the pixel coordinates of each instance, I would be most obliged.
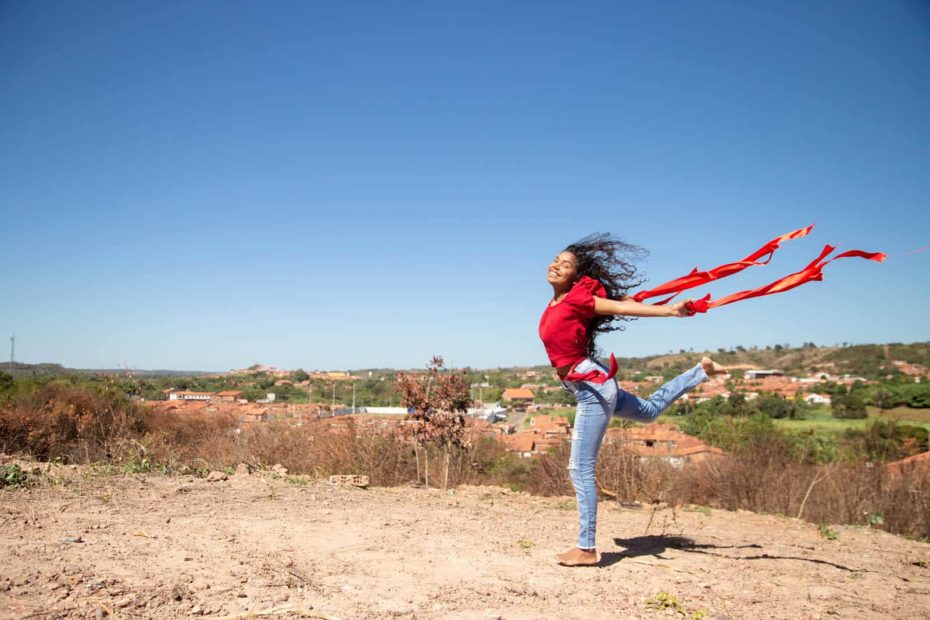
(549, 473)
(70, 423)
(629, 477)
(906, 509)
(769, 481)
(193, 440)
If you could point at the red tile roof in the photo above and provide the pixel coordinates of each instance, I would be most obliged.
(518, 393)
(910, 463)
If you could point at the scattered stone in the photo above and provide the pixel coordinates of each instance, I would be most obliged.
(216, 476)
(350, 480)
(242, 469)
(279, 469)
(196, 610)
(73, 539)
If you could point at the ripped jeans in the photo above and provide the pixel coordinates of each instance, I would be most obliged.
(597, 403)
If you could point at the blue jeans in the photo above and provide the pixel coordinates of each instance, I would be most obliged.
(597, 403)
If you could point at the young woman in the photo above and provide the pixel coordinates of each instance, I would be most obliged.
(589, 281)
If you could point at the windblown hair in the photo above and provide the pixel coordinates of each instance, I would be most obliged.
(610, 261)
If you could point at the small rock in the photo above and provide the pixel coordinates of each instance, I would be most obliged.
(243, 469)
(196, 610)
(216, 476)
(279, 469)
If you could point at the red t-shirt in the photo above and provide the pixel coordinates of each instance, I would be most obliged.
(564, 326)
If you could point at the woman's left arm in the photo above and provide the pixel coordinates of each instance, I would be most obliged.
(628, 307)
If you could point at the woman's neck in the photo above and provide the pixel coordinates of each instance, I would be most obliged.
(561, 290)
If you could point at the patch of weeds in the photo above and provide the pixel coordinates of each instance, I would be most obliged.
(874, 519)
(922, 563)
(827, 532)
(300, 481)
(704, 510)
(229, 471)
(526, 544)
(102, 469)
(145, 465)
(569, 505)
(13, 476)
(663, 601)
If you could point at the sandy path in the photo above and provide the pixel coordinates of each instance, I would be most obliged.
(169, 547)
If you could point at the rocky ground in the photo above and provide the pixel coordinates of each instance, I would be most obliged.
(81, 542)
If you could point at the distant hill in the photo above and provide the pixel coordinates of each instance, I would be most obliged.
(871, 361)
(20, 369)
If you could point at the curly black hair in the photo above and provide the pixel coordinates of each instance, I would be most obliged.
(610, 261)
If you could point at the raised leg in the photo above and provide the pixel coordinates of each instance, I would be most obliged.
(632, 407)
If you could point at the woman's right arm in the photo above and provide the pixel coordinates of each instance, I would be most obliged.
(628, 307)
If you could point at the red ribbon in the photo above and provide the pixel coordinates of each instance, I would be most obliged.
(810, 273)
(697, 278)
(595, 376)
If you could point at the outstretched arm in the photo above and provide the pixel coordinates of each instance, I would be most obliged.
(628, 307)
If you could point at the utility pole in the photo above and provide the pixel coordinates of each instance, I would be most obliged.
(332, 408)
(12, 351)
(353, 397)
(309, 396)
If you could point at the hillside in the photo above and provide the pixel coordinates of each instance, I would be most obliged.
(168, 547)
(870, 360)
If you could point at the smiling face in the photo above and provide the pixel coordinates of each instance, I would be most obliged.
(563, 271)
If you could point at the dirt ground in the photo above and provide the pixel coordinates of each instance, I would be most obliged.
(181, 546)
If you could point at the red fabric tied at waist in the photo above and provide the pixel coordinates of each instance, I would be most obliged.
(594, 376)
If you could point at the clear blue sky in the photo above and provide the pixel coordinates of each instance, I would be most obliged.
(343, 184)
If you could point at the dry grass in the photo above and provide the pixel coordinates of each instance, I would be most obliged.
(763, 476)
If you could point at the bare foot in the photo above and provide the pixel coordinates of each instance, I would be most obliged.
(712, 368)
(578, 557)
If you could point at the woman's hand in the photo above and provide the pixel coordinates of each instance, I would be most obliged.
(680, 309)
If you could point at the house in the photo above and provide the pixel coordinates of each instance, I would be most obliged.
(909, 464)
(520, 398)
(761, 374)
(523, 443)
(664, 442)
(545, 432)
(548, 425)
(188, 395)
(228, 396)
(817, 399)
(383, 410)
(706, 391)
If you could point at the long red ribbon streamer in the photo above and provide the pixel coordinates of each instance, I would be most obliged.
(697, 278)
(811, 272)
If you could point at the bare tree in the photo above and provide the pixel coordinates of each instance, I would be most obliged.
(437, 401)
